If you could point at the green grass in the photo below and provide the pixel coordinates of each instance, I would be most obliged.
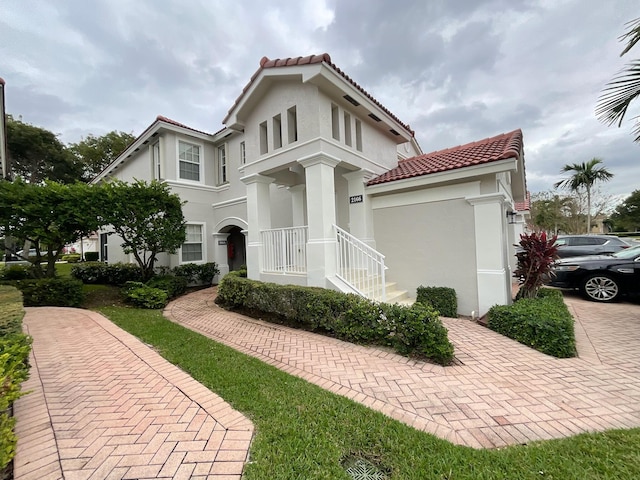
(304, 432)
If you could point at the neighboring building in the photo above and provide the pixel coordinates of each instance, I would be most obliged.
(313, 182)
(4, 152)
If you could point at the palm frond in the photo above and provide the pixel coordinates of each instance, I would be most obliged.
(632, 36)
(620, 92)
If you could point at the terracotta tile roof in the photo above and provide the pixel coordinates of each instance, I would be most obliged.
(308, 60)
(500, 147)
(161, 118)
(526, 205)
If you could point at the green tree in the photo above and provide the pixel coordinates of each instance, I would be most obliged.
(625, 86)
(95, 153)
(584, 176)
(627, 214)
(549, 212)
(37, 154)
(146, 216)
(49, 215)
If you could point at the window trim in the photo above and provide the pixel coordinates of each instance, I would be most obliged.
(201, 158)
(204, 244)
(222, 179)
(243, 153)
(156, 161)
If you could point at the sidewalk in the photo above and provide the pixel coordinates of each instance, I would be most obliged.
(105, 406)
(502, 393)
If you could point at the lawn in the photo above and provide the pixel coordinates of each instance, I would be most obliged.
(305, 432)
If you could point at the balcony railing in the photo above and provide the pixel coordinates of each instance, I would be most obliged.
(284, 250)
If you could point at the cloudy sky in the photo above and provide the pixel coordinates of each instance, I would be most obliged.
(456, 70)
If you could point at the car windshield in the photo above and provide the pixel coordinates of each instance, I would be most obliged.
(628, 253)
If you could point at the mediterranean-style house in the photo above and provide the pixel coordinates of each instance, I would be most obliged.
(313, 182)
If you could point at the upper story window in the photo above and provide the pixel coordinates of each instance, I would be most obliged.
(292, 124)
(155, 152)
(243, 153)
(264, 146)
(222, 164)
(190, 165)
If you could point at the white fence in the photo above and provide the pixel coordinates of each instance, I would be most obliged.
(360, 266)
(284, 250)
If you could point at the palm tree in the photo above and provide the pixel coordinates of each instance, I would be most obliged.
(625, 86)
(585, 175)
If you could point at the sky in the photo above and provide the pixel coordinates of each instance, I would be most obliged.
(457, 71)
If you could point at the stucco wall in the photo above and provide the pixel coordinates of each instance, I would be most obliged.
(430, 244)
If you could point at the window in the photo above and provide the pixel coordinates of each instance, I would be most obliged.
(264, 147)
(335, 122)
(277, 131)
(243, 153)
(189, 158)
(292, 124)
(192, 246)
(358, 135)
(155, 153)
(347, 128)
(222, 164)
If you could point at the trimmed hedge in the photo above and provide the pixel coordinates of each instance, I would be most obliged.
(91, 256)
(414, 330)
(106, 274)
(71, 258)
(543, 323)
(173, 286)
(197, 273)
(143, 296)
(14, 367)
(16, 272)
(55, 292)
(443, 299)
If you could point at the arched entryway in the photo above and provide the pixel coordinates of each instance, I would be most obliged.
(236, 249)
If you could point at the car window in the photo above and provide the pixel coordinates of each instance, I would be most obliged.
(561, 241)
(581, 241)
(628, 253)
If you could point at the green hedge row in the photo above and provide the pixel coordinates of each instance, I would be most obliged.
(543, 323)
(106, 273)
(443, 299)
(415, 330)
(55, 292)
(14, 366)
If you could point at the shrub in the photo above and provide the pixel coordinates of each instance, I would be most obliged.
(197, 273)
(543, 323)
(17, 272)
(143, 296)
(106, 274)
(411, 330)
(14, 366)
(172, 285)
(71, 258)
(443, 299)
(91, 256)
(54, 292)
(535, 259)
(419, 331)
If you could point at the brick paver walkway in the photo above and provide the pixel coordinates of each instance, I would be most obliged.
(502, 393)
(105, 406)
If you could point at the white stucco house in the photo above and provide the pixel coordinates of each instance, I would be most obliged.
(313, 182)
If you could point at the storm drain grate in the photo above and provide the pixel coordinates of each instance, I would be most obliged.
(360, 469)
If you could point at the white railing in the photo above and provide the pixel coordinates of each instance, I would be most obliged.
(360, 266)
(284, 250)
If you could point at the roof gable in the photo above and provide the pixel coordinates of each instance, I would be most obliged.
(266, 63)
(500, 147)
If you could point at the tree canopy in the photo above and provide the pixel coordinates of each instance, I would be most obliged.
(95, 153)
(146, 216)
(624, 88)
(36, 154)
(627, 214)
(585, 175)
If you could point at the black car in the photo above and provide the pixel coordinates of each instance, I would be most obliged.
(602, 278)
(578, 245)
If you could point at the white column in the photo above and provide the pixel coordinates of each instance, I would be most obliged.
(258, 218)
(321, 215)
(492, 268)
(220, 252)
(297, 203)
(360, 211)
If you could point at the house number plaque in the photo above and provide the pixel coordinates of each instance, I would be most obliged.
(355, 199)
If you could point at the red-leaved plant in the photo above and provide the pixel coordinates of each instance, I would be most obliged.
(535, 260)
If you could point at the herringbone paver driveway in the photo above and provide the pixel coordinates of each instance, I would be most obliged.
(105, 406)
(501, 393)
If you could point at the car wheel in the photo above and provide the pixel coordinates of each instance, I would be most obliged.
(600, 288)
